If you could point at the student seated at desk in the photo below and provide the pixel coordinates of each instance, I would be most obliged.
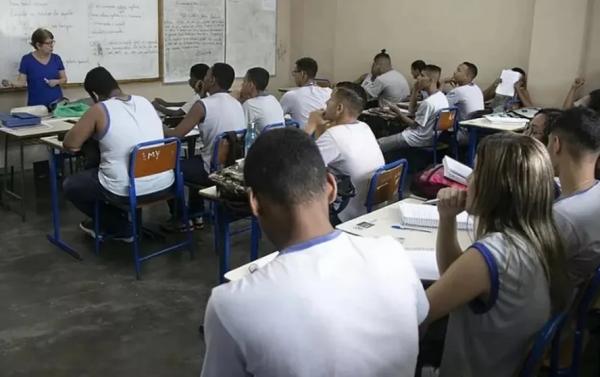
(347, 145)
(592, 100)
(330, 304)
(259, 107)
(539, 126)
(462, 92)
(300, 102)
(213, 115)
(419, 131)
(500, 103)
(500, 291)
(119, 122)
(574, 149)
(384, 83)
(197, 73)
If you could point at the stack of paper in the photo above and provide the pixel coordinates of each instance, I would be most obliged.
(427, 216)
(456, 171)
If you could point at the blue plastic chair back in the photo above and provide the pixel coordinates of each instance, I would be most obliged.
(374, 185)
(582, 306)
(215, 164)
(543, 341)
(288, 123)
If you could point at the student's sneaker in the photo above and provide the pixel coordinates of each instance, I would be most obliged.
(87, 226)
(198, 223)
(174, 225)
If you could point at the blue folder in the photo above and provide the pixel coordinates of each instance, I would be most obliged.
(19, 119)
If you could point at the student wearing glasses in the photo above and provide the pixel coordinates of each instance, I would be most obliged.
(300, 102)
(41, 71)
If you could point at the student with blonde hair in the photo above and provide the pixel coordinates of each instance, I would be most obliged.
(502, 289)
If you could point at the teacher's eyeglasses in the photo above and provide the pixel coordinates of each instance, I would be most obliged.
(50, 43)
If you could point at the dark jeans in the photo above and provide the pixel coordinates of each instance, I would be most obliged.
(193, 172)
(83, 189)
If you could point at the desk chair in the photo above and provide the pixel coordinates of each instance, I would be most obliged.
(146, 159)
(223, 155)
(288, 123)
(580, 313)
(446, 120)
(323, 83)
(386, 181)
(545, 340)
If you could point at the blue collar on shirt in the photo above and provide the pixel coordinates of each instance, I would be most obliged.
(312, 242)
(576, 193)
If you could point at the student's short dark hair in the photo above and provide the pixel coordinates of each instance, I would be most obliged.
(432, 68)
(472, 68)
(580, 128)
(259, 77)
(594, 103)
(39, 36)
(418, 65)
(308, 66)
(551, 114)
(383, 55)
(518, 69)
(99, 80)
(352, 95)
(285, 166)
(198, 71)
(223, 74)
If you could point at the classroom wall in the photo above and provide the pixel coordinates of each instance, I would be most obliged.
(592, 60)
(443, 33)
(150, 90)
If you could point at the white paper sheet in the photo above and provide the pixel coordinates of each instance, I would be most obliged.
(507, 86)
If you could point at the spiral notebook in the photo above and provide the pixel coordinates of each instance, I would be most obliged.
(425, 215)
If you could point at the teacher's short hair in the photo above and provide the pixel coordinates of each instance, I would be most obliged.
(39, 36)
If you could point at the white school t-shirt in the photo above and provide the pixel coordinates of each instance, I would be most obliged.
(493, 341)
(468, 98)
(263, 110)
(337, 305)
(188, 105)
(223, 114)
(390, 86)
(577, 218)
(352, 150)
(300, 102)
(422, 135)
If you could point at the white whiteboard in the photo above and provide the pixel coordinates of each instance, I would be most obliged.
(242, 33)
(251, 35)
(121, 35)
(193, 32)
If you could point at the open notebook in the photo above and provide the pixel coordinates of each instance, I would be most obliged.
(456, 171)
(425, 215)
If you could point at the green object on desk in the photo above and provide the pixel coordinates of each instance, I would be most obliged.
(70, 110)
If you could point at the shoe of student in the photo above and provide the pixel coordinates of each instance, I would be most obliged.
(174, 225)
(87, 226)
(198, 223)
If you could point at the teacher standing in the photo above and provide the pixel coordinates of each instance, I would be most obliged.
(42, 71)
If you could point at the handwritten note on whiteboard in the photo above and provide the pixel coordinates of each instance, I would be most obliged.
(194, 32)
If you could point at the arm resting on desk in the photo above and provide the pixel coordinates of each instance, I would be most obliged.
(91, 123)
(192, 118)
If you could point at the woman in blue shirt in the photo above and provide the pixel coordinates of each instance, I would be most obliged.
(42, 71)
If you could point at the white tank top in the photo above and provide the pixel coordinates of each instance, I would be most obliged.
(129, 123)
(223, 113)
